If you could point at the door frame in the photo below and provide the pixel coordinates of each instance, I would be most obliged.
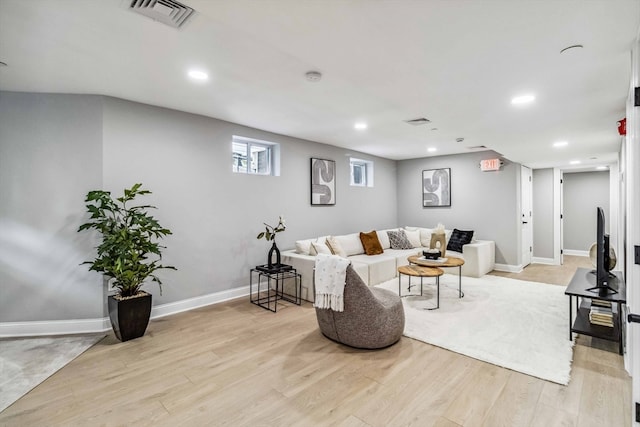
(526, 203)
(558, 241)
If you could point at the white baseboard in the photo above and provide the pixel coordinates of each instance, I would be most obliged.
(54, 327)
(168, 309)
(573, 252)
(86, 326)
(538, 260)
(508, 268)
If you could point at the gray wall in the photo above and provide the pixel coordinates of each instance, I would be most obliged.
(55, 148)
(50, 156)
(486, 202)
(543, 237)
(583, 192)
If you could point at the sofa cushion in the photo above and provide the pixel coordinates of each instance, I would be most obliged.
(381, 267)
(425, 235)
(414, 237)
(335, 247)
(319, 248)
(351, 244)
(458, 239)
(398, 240)
(371, 243)
(303, 247)
(383, 237)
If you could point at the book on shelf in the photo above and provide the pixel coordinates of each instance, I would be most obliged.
(601, 315)
(601, 310)
(601, 318)
(602, 323)
(600, 303)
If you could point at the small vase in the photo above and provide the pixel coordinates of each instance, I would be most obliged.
(273, 249)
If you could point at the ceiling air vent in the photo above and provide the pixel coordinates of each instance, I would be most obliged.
(168, 12)
(477, 147)
(418, 122)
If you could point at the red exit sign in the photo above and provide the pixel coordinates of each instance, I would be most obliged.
(490, 165)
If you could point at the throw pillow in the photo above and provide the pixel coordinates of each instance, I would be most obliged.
(398, 240)
(371, 243)
(336, 247)
(319, 248)
(458, 239)
(425, 237)
(383, 237)
(414, 237)
(303, 246)
(351, 244)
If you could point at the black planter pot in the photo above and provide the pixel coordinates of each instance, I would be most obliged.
(130, 317)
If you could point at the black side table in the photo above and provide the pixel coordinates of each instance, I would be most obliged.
(582, 287)
(270, 286)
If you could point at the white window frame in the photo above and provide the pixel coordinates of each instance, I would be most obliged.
(366, 167)
(273, 156)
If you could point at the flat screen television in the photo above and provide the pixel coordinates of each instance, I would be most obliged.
(602, 258)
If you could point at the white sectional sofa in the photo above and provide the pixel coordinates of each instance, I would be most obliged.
(479, 257)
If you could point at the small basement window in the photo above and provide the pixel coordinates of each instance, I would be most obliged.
(361, 172)
(252, 156)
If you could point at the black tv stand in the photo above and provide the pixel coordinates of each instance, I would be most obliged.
(583, 287)
(604, 289)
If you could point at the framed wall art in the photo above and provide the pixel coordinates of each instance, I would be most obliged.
(323, 182)
(436, 187)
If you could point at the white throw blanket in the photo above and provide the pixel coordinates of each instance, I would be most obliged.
(330, 277)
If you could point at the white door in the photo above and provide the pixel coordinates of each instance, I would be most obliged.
(525, 215)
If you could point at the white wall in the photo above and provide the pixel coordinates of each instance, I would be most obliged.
(50, 156)
(583, 192)
(215, 214)
(486, 202)
(55, 148)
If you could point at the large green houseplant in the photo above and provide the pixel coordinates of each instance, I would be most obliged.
(128, 255)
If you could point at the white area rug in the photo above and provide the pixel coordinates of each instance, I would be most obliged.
(519, 325)
(26, 362)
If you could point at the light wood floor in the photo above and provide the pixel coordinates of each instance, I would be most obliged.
(239, 365)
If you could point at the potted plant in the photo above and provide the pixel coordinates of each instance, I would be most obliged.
(128, 255)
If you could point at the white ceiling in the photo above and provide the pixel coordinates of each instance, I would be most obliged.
(456, 62)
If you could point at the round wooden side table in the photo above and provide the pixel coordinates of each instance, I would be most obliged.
(450, 262)
(421, 272)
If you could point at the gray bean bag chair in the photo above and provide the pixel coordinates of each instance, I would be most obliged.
(372, 317)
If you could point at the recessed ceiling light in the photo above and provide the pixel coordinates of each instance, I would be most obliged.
(198, 75)
(602, 168)
(574, 162)
(432, 149)
(360, 126)
(523, 99)
(561, 144)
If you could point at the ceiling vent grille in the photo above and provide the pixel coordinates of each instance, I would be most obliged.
(168, 12)
(477, 147)
(418, 122)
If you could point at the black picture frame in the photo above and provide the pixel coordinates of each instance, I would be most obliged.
(436, 187)
(323, 182)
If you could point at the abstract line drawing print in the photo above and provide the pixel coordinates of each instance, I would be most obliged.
(323, 182)
(436, 187)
